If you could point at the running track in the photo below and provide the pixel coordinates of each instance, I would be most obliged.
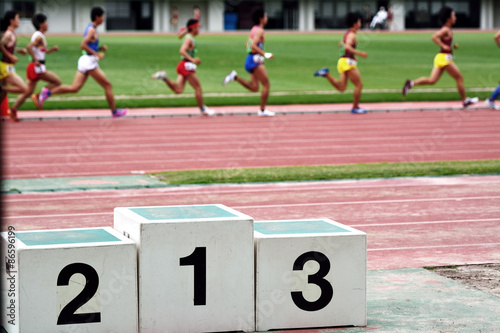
(97, 147)
(410, 222)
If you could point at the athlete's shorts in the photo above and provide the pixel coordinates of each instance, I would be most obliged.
(87, 63)
(252, 61)
(443, 59)
(346, 64)
(33, 72)
(6, 70)
(185, 68)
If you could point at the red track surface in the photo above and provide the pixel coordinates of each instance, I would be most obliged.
(410, 222)
(124, 146)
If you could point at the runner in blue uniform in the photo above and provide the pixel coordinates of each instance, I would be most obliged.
(490, 101)
(88, 64)
(254, 63)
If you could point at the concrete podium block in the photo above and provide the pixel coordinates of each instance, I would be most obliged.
(309, 273)
(69, 280)
(196, 267)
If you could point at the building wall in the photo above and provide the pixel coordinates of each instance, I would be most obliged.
(66, 16)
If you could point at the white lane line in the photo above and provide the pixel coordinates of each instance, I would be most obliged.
(432, 247)
(423, 222)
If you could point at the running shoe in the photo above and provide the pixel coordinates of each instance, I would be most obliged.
(408, 85)
(13, 115)
(161, 75)
(470, 101)
(43, 96)
(117, 113)
(230, 77)
(36, 98)
(491, 104)
(207, 112)
(266, 113)
(321, 72)
(358, 110)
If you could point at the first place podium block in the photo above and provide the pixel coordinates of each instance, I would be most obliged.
(196, 267)
(309, 273)
(69, 280)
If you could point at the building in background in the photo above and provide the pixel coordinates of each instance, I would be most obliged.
(69, 16)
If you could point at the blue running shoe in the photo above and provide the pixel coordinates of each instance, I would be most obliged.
(358, 110)
(321, 72)
(117, 113)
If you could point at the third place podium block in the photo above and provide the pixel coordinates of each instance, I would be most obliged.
(69, 280)
(309, 273)
(196, 267)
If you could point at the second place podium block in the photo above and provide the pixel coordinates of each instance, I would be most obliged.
(196, 267)
(69, 280)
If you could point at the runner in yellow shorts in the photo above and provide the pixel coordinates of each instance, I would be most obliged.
(347, 64)
(441, 60)
(444, 59)
(10, 81)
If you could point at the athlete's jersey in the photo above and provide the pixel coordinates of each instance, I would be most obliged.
(343, 52)
(39, 52)
(448, 42)
(192, 53)
(260, 44)
(95, 44)
(10, 48)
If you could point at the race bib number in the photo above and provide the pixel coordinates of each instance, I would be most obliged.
(351, 62)
(11, 69)
(190, 66)
(449, 57)
(258, 59)
(40, 69)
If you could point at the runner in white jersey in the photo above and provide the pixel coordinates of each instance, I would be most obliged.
(88, 65)
(37, 48)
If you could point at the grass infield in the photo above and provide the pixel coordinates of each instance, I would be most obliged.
(329, 172)
(392, 58)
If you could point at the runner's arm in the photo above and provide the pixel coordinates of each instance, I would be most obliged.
(3, 42)
(37, 43)
(257, 37)
(441, 33)
(350, 41)
(497, 38)
(87, 39)
(187, 45)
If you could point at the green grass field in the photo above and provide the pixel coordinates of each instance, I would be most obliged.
(393, 57)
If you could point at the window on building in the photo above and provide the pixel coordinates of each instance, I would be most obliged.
(425, 13)
(129, 15)
(26, 9)
(330, 14)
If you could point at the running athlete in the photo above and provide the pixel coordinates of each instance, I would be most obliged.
(347, 64)
(490, 101)
(254, 63)
(444, 59)
(37, 48)
(186, 68)
(10, 81)
(88, 64)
